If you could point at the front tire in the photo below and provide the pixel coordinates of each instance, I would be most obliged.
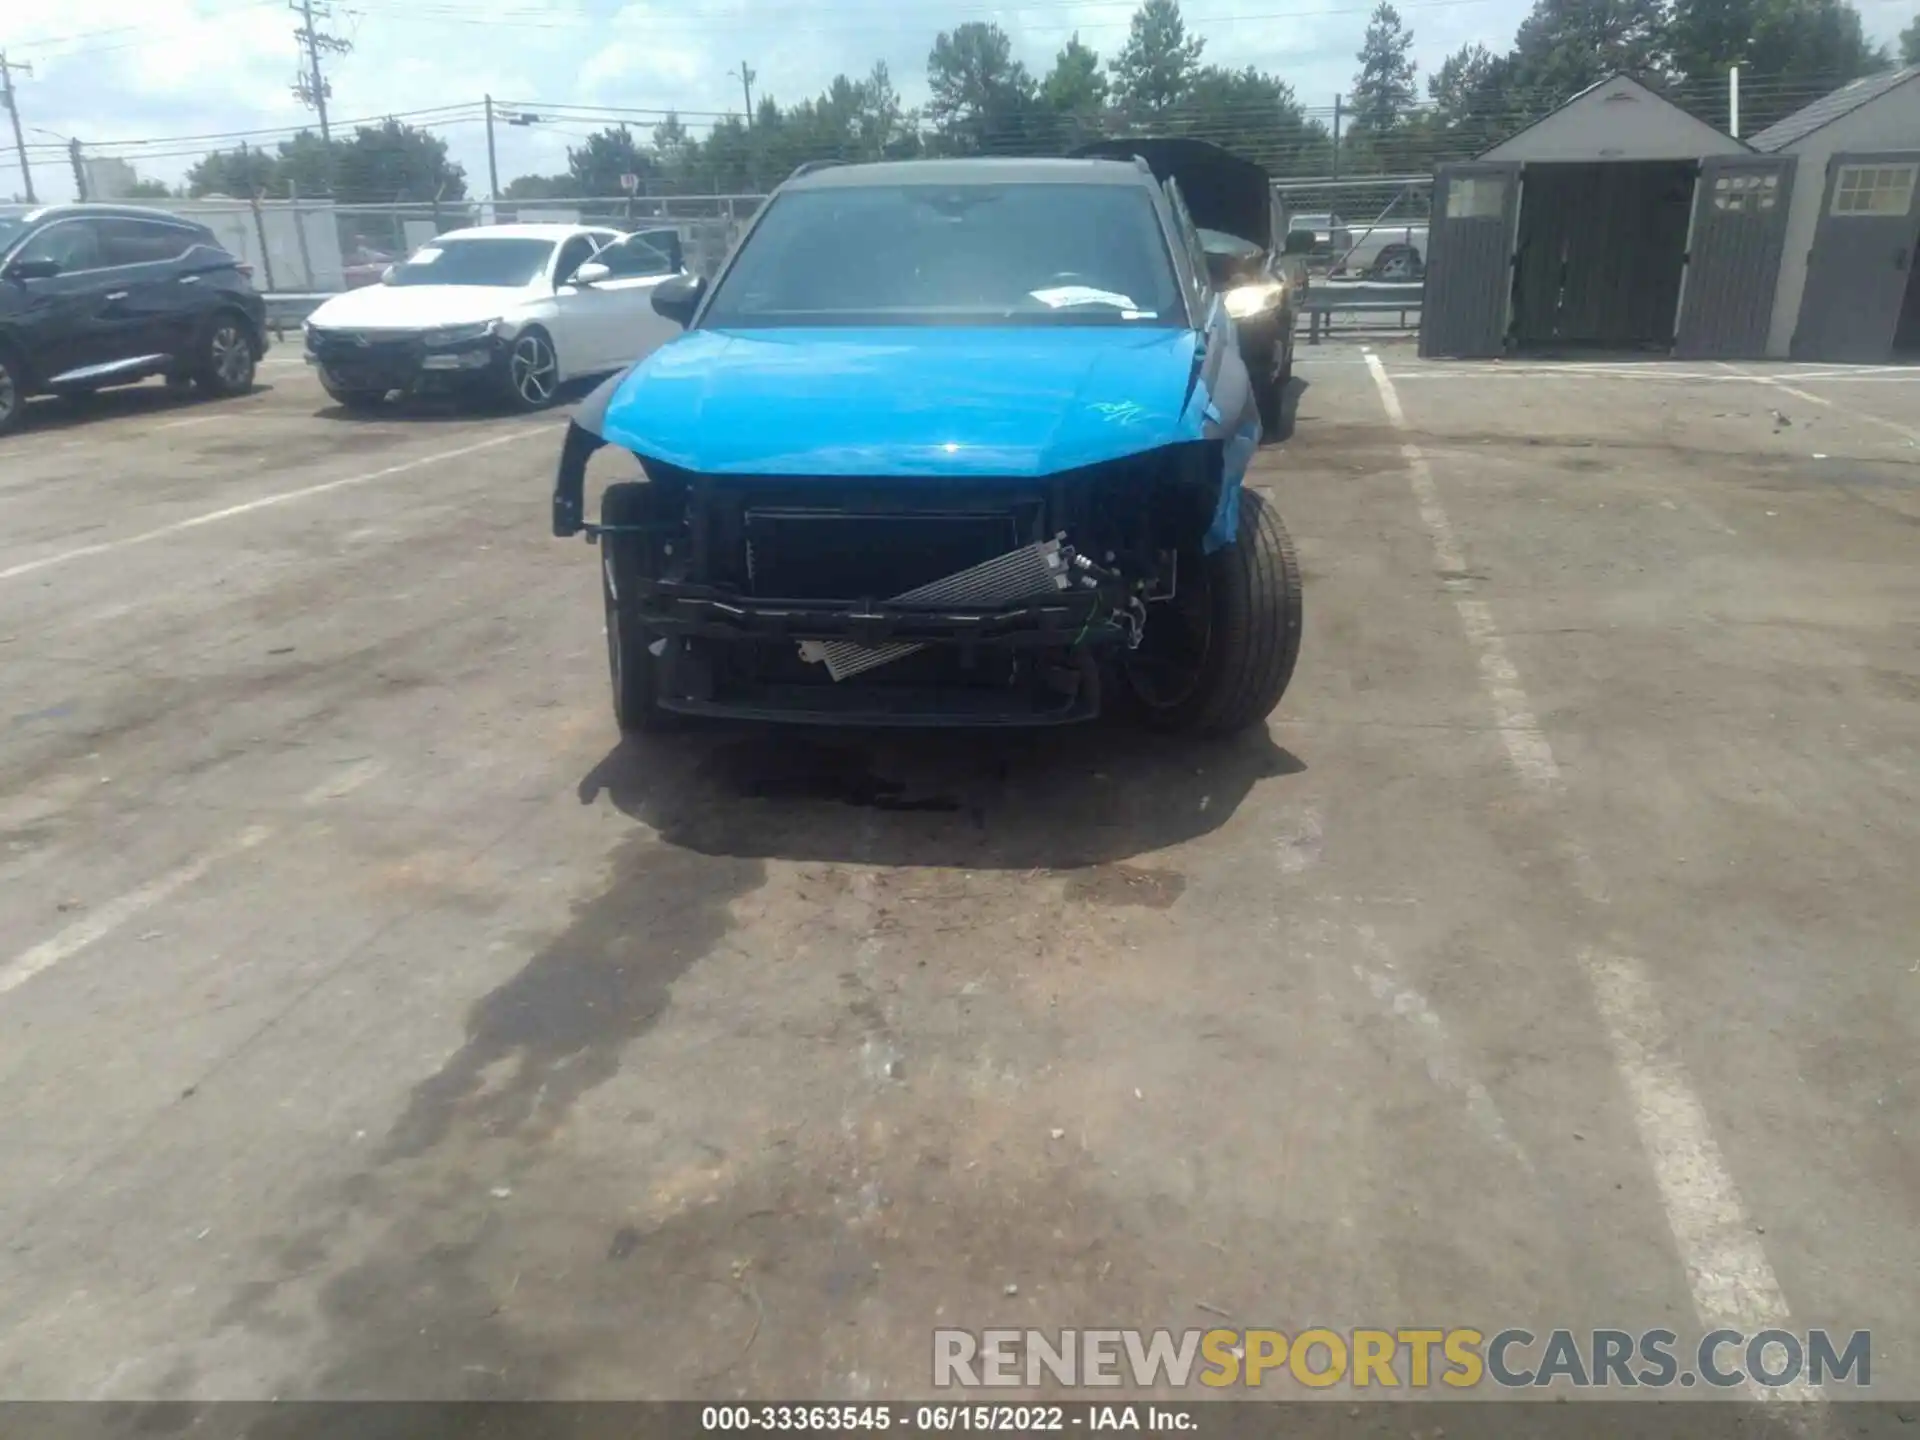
(224, 361)
(631, 664)
(1223, 653)
(530, 375)
(13, 393)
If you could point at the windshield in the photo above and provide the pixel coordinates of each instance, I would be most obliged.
(475, 262)
(9, 232)
(953, 254)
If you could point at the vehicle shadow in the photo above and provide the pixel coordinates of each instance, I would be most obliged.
(440, 409)
(1049, 799)
(46, 414)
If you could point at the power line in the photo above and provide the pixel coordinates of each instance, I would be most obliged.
(423, 117)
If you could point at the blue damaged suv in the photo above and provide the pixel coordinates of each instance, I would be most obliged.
(954, 442)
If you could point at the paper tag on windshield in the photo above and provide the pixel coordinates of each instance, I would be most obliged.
(1082, 295)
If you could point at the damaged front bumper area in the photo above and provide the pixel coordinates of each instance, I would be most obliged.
(895, 602)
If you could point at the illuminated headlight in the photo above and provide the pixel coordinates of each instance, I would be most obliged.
(460, 334)
(1247, 300)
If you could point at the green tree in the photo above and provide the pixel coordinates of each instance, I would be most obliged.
(541, 187)
(1155, 69)
(1076, 85)
(1820, 43)
(1383, 87)
(596, 166)
(979, 97)
(1563, 46)
(1470, 112)
(671, 141)
(390, 161)
(149, 190)
(231, 172)
(1910, 43)
(1789, 52)
(1256, 115)
(306, 166)
(1072, 98)
(730, 154)
(883, 126)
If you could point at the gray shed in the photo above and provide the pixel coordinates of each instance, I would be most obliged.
(1846, 289)
(1617, 222)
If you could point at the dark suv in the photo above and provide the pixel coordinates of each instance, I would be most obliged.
(98, 295)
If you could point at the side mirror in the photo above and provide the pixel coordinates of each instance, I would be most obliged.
(588, 274)
(1299, 242)
(386, 275)
(33, 269)
(678, 296)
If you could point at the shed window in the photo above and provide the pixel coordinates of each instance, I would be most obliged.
(1476, 197)
(1874, 189)
(1746, 194)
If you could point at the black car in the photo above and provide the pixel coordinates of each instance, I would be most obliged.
(99, 295)
(1260, 275)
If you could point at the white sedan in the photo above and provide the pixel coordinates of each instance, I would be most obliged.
(509, 312)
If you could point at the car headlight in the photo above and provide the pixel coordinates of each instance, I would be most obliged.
(460, 334)
(1244, 301)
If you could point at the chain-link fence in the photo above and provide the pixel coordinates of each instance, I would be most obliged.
(1375, 226)
(315, 246)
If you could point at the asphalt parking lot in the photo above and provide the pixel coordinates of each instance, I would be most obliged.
(372, 1023)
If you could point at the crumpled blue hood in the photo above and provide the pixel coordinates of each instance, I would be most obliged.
(899, 401)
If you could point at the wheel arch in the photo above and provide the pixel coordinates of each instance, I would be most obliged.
(225, 308)
(26, 375)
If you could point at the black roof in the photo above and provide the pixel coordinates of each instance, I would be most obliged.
(973, 172)
(113, 212)
(1829, 108)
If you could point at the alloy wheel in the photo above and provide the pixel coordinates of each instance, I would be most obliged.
(232, 358)
(534, 370)
(9, 394)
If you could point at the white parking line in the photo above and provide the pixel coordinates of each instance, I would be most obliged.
(1812, 399)
(193, 420)
(1731, 1280)
(213, 517)
(115, 913)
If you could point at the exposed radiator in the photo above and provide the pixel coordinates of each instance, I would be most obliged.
(1028, 573)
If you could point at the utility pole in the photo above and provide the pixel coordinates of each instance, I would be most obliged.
(79, 169)
(310, 87)
(493, 161)
(13, 109)
(1733, 102)
(747, 76)
(1336, 139)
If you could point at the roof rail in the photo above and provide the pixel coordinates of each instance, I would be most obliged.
(807, 167)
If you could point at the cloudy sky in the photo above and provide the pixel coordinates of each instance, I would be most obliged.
(124, 70)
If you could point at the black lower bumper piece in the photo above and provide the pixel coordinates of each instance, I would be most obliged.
(883, 706)
(408, 366)
(1057, 621)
